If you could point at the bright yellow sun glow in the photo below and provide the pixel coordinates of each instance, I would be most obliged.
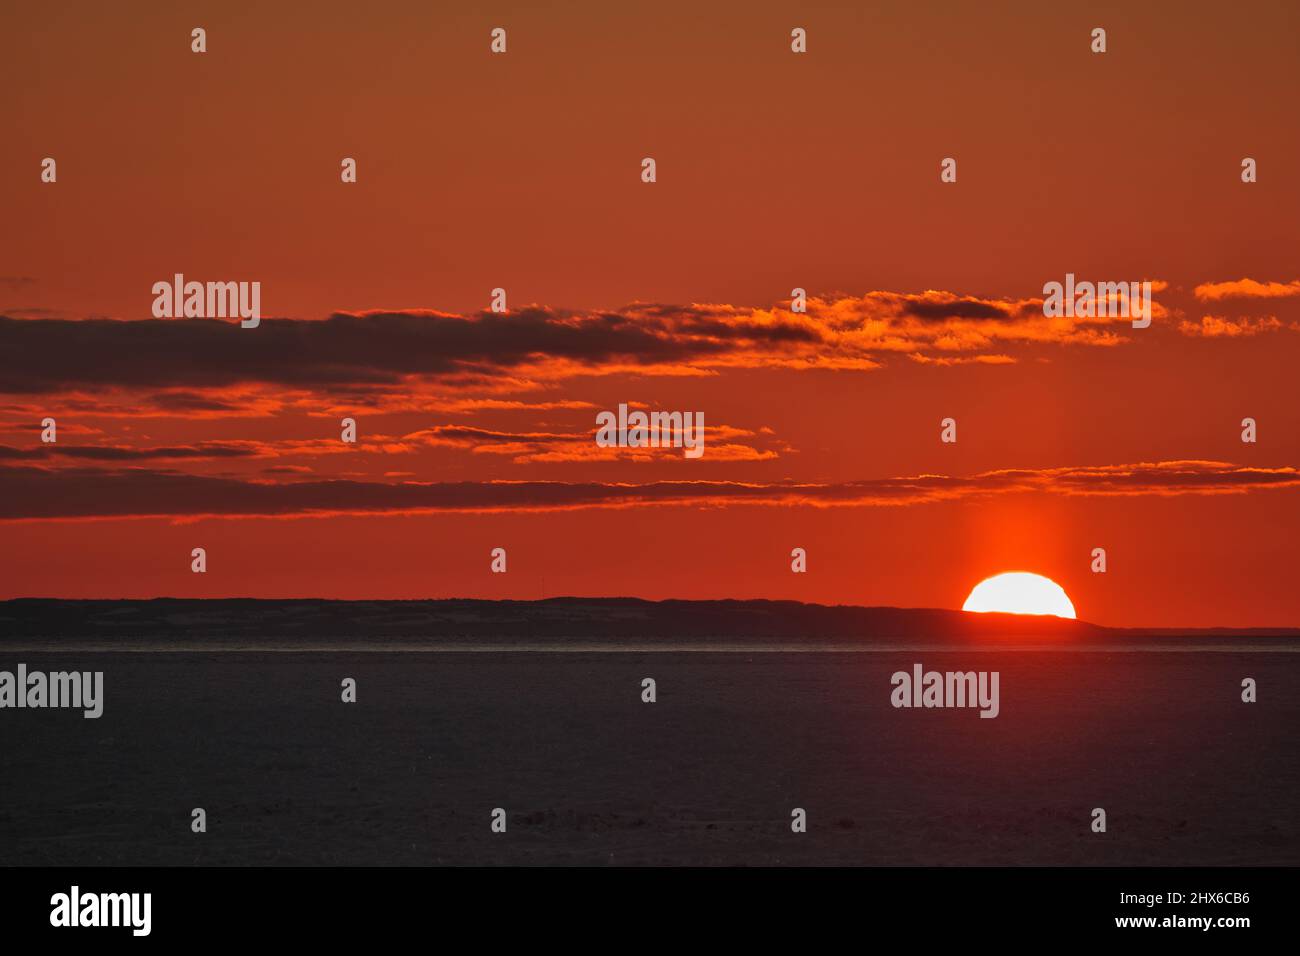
(1019, 592)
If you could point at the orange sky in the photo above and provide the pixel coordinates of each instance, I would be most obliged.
(775, 170)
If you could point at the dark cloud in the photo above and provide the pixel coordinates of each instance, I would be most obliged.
(36, 493)
(125, 453)
(190, 402)
(955, 309)
(471, 436)
(376, 348)
(375, 355)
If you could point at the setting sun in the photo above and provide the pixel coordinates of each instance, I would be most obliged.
(1019, 592)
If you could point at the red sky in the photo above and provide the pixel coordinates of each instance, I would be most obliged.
(775, 170)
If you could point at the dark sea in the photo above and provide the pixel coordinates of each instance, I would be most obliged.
(710, 773)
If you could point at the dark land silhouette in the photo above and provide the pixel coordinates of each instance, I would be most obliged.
(165, 621)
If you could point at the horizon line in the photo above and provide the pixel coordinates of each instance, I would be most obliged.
(1077, 622)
